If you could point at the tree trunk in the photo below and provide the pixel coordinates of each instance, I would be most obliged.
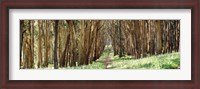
(55, 45)
(22, 30)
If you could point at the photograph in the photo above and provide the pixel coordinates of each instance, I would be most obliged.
(99, 44)
(103, 44)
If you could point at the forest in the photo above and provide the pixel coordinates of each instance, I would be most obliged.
(99, 44)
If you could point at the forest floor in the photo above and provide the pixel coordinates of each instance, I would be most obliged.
(163, 61)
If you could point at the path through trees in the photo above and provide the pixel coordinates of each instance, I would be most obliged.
(71, 43)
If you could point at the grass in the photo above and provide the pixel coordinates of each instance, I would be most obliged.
(164, 61)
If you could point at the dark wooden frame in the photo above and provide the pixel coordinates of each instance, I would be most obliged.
(99, 4)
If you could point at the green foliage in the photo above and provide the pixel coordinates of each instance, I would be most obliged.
(107, 51)
(163, 61)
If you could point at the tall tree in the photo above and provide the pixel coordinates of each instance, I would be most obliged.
(55, 45)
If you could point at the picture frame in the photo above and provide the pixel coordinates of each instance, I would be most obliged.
(101, 84)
